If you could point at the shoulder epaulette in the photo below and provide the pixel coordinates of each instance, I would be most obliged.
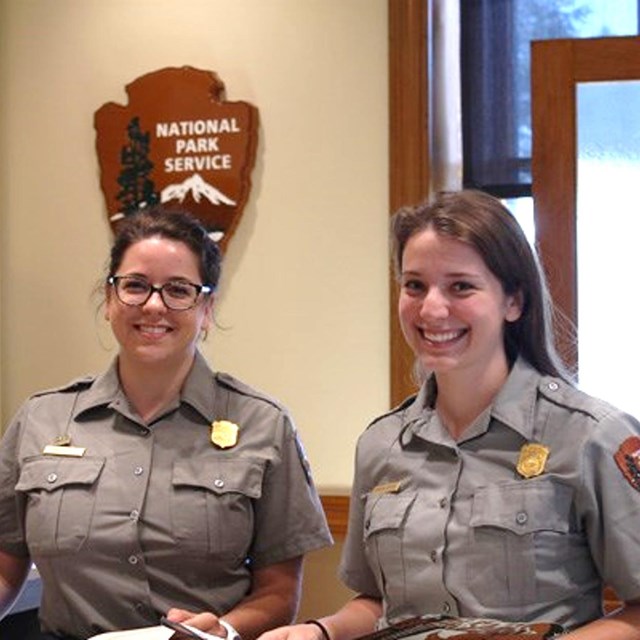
(403, 406)
(79, 384)
(565, 394)
(244, 389)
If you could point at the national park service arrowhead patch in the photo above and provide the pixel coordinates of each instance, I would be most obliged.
(627, 458)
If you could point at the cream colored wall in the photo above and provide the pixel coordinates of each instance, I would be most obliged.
(304, 299)
(322, 593)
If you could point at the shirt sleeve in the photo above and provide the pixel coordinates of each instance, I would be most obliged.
(12, 539)
(290, 520)
(354, 569)
(610, 501)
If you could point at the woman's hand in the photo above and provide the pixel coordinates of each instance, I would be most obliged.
(294, 632)
(356, 618)
(272, 601)
(204, 621)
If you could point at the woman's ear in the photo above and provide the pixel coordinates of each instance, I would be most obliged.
(515, 304)
(106, 302)
(208, 312)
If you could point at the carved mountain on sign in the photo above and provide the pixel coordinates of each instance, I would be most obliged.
(198, 188)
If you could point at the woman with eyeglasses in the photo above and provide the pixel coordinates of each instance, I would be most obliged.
(161, 486)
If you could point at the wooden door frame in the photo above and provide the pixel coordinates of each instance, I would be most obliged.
(557, 66)
(409, 150)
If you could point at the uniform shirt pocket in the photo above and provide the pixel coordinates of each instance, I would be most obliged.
(212, 505)
(60, 501)
(384, 538)
(519, 532)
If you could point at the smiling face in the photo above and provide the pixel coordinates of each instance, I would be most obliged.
(152, 334)
(452, 308)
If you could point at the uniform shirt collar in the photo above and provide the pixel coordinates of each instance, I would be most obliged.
(513, 406)
(198, 391)
(101, 393)
(421, 420)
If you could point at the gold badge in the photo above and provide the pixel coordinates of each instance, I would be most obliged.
(62, 440)
(224, 434)
(532, 459)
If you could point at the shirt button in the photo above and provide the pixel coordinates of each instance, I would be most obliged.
(133, 559)
(434, 556)
(554, 386)
(521, 517)
(134, 515)
(443, 503)
(52, 477)
(218, 483)
(446, 608)
(138, 471)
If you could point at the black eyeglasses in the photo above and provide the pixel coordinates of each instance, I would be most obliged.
(178, 295)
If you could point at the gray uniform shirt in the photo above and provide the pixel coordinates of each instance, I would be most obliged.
(153, 516)
(439, 526)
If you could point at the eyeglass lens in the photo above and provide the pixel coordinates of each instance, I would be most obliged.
(175, 294)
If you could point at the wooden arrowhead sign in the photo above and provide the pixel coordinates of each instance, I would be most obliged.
(178, 141)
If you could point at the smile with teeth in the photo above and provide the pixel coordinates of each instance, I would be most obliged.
(443, 336)
(153, 329)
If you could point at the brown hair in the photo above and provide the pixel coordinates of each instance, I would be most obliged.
(482, 221)
(173, 224)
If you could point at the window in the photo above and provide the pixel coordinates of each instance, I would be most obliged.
(495, 38)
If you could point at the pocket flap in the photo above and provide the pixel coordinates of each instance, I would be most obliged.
(523, 507)
(386, 511)
(220, 476)
(49, 473)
